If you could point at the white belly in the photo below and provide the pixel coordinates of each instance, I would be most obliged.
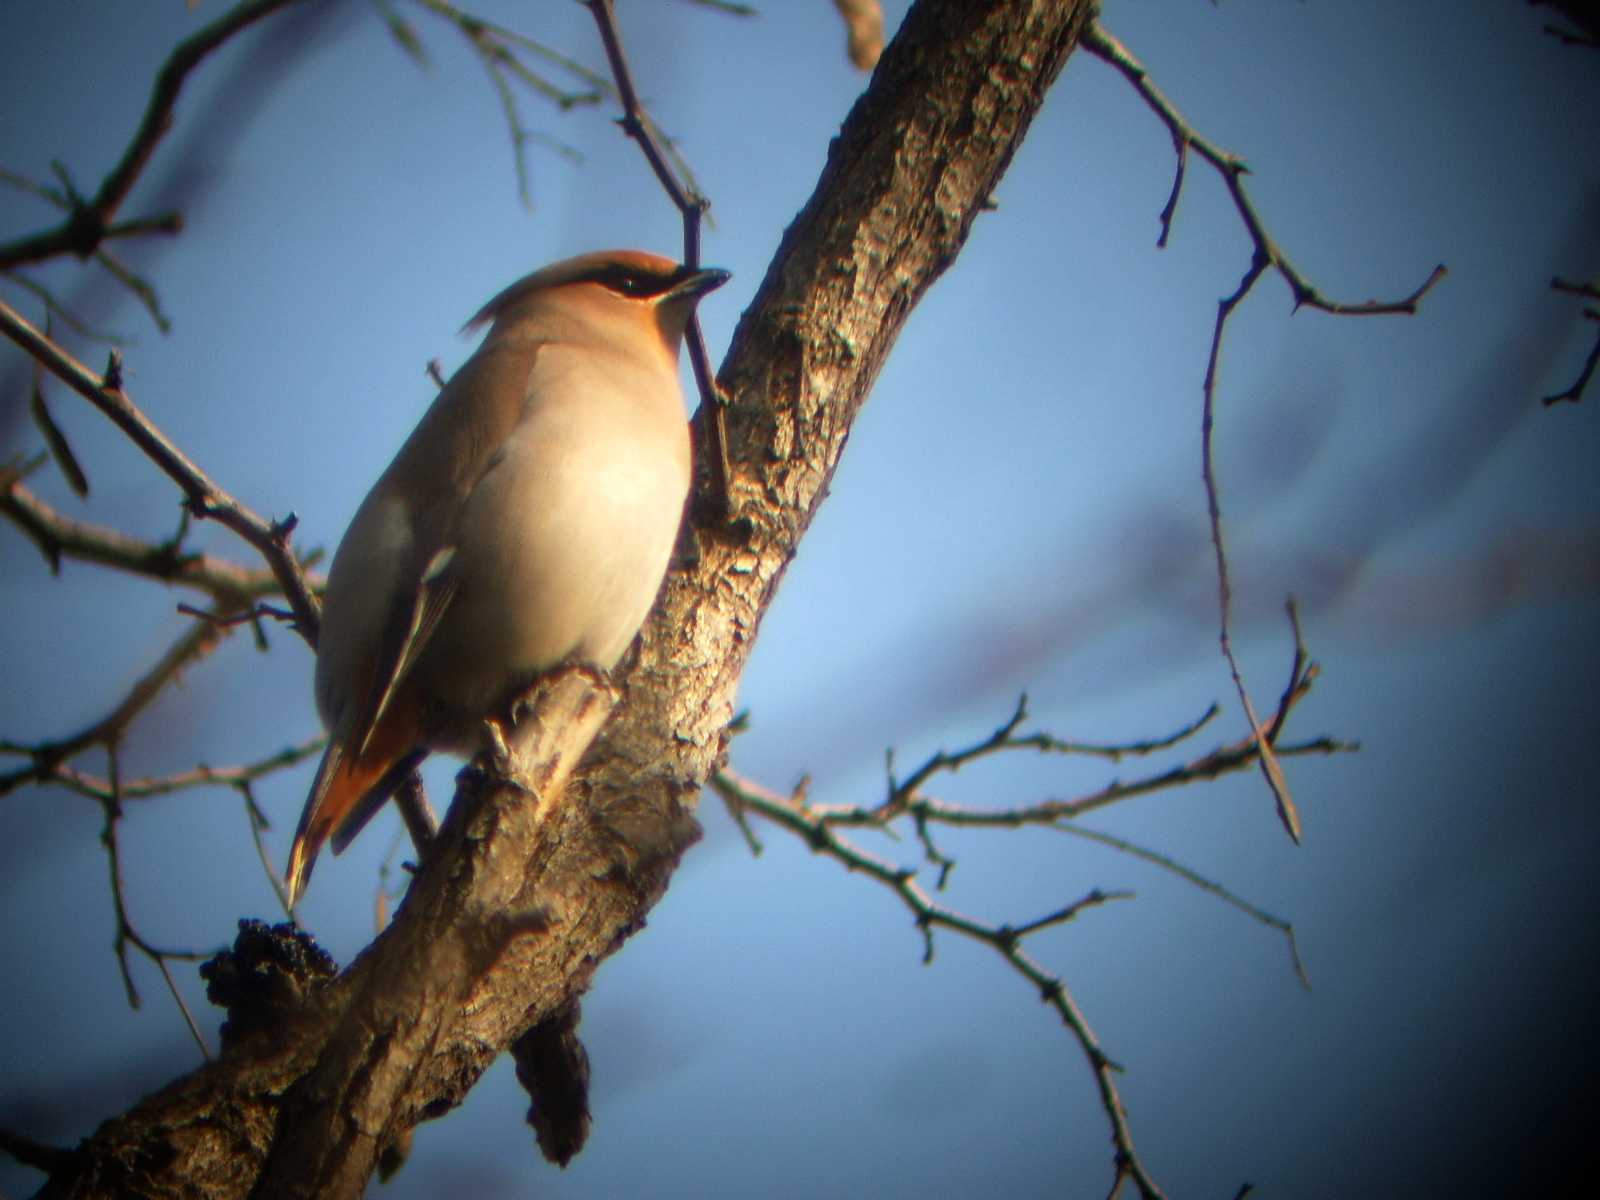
(560, 552)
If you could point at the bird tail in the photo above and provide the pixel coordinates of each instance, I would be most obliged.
(348, 790)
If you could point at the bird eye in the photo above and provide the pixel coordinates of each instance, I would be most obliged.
(625, 282)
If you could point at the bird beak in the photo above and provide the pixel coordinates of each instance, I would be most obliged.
(698, 283)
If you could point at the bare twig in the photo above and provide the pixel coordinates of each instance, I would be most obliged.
(60, 312)
(143, 290)
(796, 815)
(910, 798)
(495, 41)
(33, 187)
(1099, 42)
(91, 222)
(202, 495)
(1220, 761)
(60, 449)
(901, 795)
(1270, 769)
(728, 6)
(112, 793)
(1224, 760)
(1573, 393)
(239, 778)
(819, 825)
(741, 819)
(498, 50)
(127, 935)
(259, 825)
(1588, 291)
(47, 757)
(250, 616)
(1190, 875)
(692, 205)
(59, 536)
(1266, 255)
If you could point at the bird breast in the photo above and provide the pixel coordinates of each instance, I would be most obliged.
(562, 543)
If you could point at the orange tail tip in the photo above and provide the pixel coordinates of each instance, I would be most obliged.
(346, 779)
(340, 786)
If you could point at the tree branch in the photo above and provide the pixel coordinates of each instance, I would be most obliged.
(197, 642)
(33, 1154)
(1266, 254)
(508, 918)
(1573, 392)
(203, 496)
(818, 826)
(692, 206)
(794, 814)
(90, 223)
(59, 536)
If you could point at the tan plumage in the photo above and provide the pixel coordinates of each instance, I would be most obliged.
(527, 521)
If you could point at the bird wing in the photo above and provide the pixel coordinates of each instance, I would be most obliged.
(407, 525)
(410, 626)
(465, 428)
(360, 770)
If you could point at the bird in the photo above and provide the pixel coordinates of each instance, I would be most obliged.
(526, 523)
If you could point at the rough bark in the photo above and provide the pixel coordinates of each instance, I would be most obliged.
(523, 898)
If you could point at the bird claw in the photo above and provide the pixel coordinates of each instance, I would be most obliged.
(499, 751)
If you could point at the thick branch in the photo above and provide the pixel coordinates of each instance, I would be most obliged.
(513, 911)
(401, 998)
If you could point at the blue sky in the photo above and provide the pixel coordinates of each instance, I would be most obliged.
(1019, 508)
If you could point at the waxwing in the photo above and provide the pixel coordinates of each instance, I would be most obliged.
(526, 522)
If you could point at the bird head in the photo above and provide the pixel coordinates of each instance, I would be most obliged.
(614, 293)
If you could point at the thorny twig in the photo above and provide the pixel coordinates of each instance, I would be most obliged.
(60, 536)
(203, 497)
(91, 222)
(231, 589)
(1266, 255)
